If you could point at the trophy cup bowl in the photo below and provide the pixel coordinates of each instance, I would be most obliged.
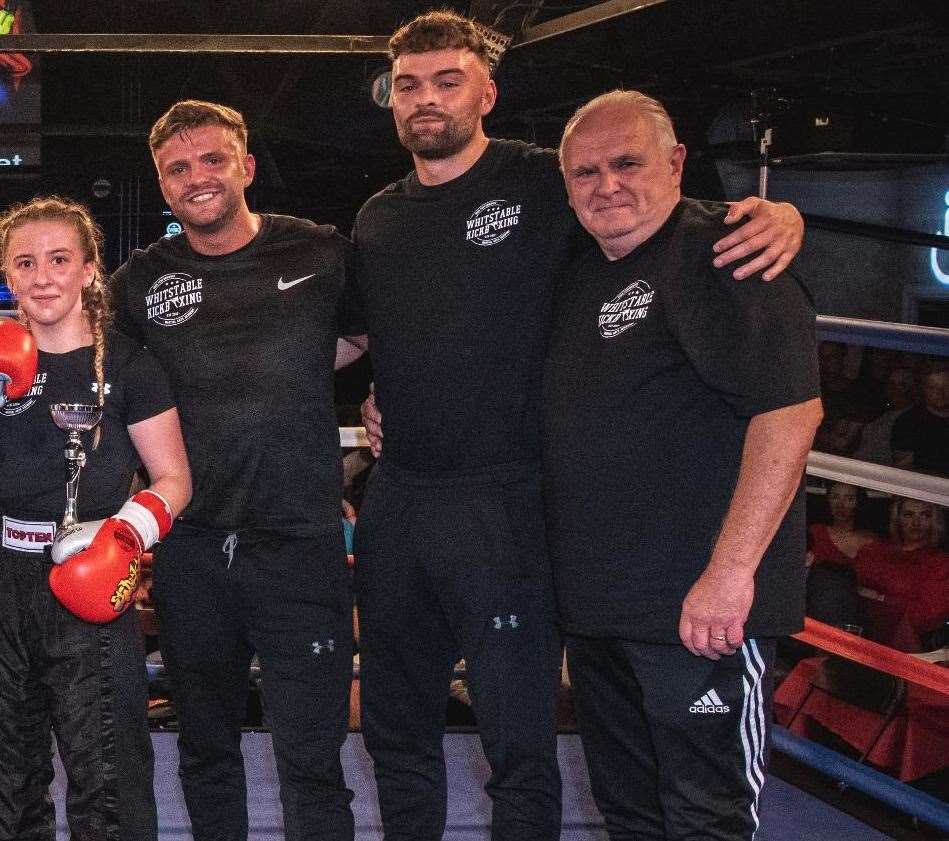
(73, 418)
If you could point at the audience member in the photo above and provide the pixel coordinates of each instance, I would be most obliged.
(846, 406)
(839, 541)
(921, 435)
(831, 581)
(902, 392)
(906, 579)
(870, 382)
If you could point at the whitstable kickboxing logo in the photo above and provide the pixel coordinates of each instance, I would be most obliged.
(17, 407)
(173, 299)
(492, 222)
(626, 310)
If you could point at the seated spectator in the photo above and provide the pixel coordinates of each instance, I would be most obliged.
(902, 392)
(831, 582)
(906, 578)
(839, 542)
(876, 364)
(921, 435)
(846, 405)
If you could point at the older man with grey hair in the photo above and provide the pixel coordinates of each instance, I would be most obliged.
(679, 410)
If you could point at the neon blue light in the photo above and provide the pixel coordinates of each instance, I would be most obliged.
(938, 273)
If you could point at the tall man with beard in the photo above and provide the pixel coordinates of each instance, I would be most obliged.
(455, 265)
(679, 407)
(242, 311)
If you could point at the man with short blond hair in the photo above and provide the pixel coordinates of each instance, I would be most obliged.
(243, 310)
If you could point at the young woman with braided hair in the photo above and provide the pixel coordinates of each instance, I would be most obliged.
(71, 657)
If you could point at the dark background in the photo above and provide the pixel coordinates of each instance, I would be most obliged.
(876, 70)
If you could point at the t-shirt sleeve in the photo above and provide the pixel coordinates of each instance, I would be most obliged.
(350, 309)
(122, 320)
(147, 389)
(752, 342)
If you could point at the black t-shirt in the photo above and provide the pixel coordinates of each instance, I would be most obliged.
(32, 470)
(456, 281)
(926, 436)
(249, 340)
(658, 362)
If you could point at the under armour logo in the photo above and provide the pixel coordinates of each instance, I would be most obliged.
(320, 647)
(107, 390)
(499, 622)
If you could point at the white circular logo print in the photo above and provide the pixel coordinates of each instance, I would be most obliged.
(17, 407)
(626, 310)
(492, 222)
(173, 299)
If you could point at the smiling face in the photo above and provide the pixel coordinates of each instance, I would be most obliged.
(47, 269)
(621, 180)
(438, 100)
(203, 173)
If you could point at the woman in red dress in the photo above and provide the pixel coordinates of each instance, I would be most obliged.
(906, 579)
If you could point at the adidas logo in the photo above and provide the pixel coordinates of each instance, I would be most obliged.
(709, 703)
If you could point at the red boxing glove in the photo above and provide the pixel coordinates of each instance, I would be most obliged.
(98, 583)
(18, 360)
(98, 563)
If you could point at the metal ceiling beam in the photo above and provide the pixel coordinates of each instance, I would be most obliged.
(215, 43)
(585, 17)
(829, 44)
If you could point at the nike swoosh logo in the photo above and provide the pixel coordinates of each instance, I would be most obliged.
(286, 284)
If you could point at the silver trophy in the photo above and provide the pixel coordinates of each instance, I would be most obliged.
(73, 418)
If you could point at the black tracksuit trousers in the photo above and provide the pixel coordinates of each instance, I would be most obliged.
(676, 744)
(85, 683)
(448, 567)
(220, 597)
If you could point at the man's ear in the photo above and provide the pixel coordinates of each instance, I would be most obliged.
(677, 163)
(250, 168)
(488, 97)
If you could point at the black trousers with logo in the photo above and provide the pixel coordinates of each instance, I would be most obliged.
(220, 597)
(86, 684)
(676, 744)
(450, 567)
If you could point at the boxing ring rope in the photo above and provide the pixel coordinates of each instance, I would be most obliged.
(890, 480)
(888, 790)
(880, 657)
(912, 338)
(879, 477)
(878, 785)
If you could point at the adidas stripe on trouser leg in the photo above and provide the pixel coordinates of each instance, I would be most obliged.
(676, 744)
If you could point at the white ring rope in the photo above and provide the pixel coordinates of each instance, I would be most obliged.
(879, 477)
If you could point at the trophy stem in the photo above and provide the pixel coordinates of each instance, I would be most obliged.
(75, 461)
(73, 418)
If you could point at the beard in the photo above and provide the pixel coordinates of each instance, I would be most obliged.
(436, 145)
